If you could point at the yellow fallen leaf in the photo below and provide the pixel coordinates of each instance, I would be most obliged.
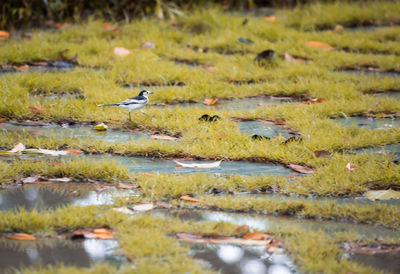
(100, 127)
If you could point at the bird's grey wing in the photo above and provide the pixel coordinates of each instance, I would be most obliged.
(132, 101)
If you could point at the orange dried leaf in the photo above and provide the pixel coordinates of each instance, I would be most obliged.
(74, 151)
(210, 102)
(280, 123)
(21, 237)
(301, 169)
(36, 109)
(350, 167)
(4, 34)
(256, 236)
(270, 18)
(102, 231)
(317, 44)
(189, 199)
(2, 120)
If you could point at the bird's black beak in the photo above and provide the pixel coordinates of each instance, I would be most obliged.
(150, 92)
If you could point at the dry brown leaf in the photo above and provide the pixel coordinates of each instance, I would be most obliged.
(148, 45)
(73, 151)
(322, 153)
(99, 236)
(210, 102)
(36, 109)
(4, 35)
(21, 67)
(256, 236)
(121, 51)
(125, 186)
(316, 100)
(301, 169)
(108, 27)
(270, 18)
(18, 148)
(244, 229)
(350, 167)
(2, 120)
(102, 231)
(292, 59)
(21, 237)
(208, 68)
(189, 199)
(163, 137)
(317, 44)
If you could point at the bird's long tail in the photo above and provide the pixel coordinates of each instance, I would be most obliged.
(109, 105)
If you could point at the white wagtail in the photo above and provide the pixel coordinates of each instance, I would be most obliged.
(133, 103)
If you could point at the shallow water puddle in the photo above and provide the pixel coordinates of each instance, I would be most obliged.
(389, 95)
(48, 252)
(266, 223)
(39, 67)
(264, 129)
(393, 149)
(368, 122)
(236, 259)
(249, 104)
(371, 73)
(144, 165)
(46, 196)
(73, 131)
(386, 262)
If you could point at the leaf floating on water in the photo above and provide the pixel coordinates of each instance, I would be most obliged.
(382, 194)
(163, 137)
(257, 236)
(18, 148)
(199, 165)
(21, 237)
(199, 239)
(270, 18)
(189, 199)
(350, 167)
(100, 127)
(210, 102)
(36, 109)
(143, 207)
(301, 169)
(121, 51)
(73, 151)
(317, 44)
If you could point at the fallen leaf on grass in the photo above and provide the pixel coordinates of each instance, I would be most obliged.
(148, 45)
(122, 52)
(315, 100)
(382, 194)
(210, 102)
(317, 44)
(207, 67)
(270, 18)
(30, 180)
(244, 229)
(73, 151)
(198, 165)
(108, 27)
(18, 148)
(100, 127)
(4, 35)
(143, 207)
(350, 167)
(2, 120)
(301, 169)
(322, 153)
(36, 109)
(163, 137)
(21, 237)
(256, 236)
(189, 199)
(292, 59)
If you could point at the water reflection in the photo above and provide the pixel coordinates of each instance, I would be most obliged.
(42, 197)
(264, 129)
(73, 131)
(371, 123)
(237, 259)
(46, 252)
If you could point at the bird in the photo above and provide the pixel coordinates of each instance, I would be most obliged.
(133, 103)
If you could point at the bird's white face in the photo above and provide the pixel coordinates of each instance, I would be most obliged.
(146, 92)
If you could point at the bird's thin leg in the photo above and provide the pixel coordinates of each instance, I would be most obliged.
(130, 116)
(146, 114)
